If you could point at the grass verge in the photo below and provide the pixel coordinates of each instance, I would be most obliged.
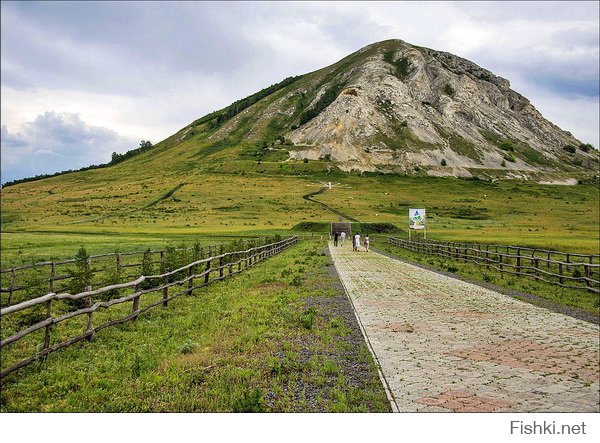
(269, 340)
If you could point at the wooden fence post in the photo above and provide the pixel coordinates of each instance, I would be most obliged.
(136, 300)
(88, 303)
(221, 267)
(207, 270)
(52, 271)
(588, 274)
(536, 267)
(191, 280)
(560, 272)
(518, 260)
(165, 296)
(47, 332)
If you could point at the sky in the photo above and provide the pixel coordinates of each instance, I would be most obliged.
(80, 80)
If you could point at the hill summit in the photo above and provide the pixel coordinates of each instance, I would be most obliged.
(393, 107)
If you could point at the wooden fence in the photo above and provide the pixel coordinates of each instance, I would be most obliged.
(20, 283)
(568, 270)
(145, 292)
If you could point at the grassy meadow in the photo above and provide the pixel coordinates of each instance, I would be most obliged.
(51, 218)
(269, 340)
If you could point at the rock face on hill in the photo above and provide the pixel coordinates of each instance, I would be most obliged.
(395, 107)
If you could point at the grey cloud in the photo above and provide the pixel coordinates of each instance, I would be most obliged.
(549, 11)
(56, 142)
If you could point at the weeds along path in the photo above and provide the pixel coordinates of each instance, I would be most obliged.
(309, 197)
(446, 345)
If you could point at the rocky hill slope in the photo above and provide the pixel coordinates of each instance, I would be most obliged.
(396, 107)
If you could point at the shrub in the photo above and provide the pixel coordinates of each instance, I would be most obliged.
(507, 146)
(586, 147)
(443, 163)
(187, 348)
(509, 158)
(250, 402)
(401, 65)
(449, 90)
(570, 149)
(81, 278)
(307, 318)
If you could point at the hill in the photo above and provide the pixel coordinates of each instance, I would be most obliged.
(381, 125)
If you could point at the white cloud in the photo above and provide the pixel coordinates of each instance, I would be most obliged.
(57, 142)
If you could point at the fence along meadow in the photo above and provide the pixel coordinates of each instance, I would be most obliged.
(20, 283)
(31, 329)
(568, 270)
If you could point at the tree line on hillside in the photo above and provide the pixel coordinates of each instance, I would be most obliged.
(218, 117)
(116, 158)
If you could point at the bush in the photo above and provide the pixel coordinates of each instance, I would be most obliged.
(507, 146)
(81, 276)
(443, 162)
(449, 90)
(250, 402)
(307, 318)
(509, 158)
(570, 149)
(586, 147)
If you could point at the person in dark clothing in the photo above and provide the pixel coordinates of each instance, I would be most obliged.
(335, 239)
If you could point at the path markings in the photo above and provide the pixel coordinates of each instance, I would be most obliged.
(445, 345)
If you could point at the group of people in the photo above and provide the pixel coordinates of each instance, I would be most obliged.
(355, 240)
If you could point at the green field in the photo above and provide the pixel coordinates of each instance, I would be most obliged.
(53, 217)
(269, 340)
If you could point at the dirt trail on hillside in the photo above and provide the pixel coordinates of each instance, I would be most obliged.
(446, 345)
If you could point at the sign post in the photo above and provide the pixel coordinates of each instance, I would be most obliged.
(416, 219)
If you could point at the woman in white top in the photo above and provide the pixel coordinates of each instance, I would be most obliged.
(367, 242)
(357, 241)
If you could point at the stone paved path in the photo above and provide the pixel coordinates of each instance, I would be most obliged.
(446, 345)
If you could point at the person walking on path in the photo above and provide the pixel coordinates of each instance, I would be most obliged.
(367, 242)
(342, 237)
(356, 242)
(335, 239)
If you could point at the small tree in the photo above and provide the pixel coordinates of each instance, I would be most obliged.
(147, 268)
(81, 276)
(444, 162)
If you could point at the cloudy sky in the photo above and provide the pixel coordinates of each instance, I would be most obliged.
(81, 80)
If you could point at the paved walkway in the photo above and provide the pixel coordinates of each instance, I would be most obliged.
(446, 345)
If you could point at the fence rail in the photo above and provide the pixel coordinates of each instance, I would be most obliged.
(568, 270)
(54, 276)
(185, 280)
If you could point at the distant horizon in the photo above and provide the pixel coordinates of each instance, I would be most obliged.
(80, 80)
